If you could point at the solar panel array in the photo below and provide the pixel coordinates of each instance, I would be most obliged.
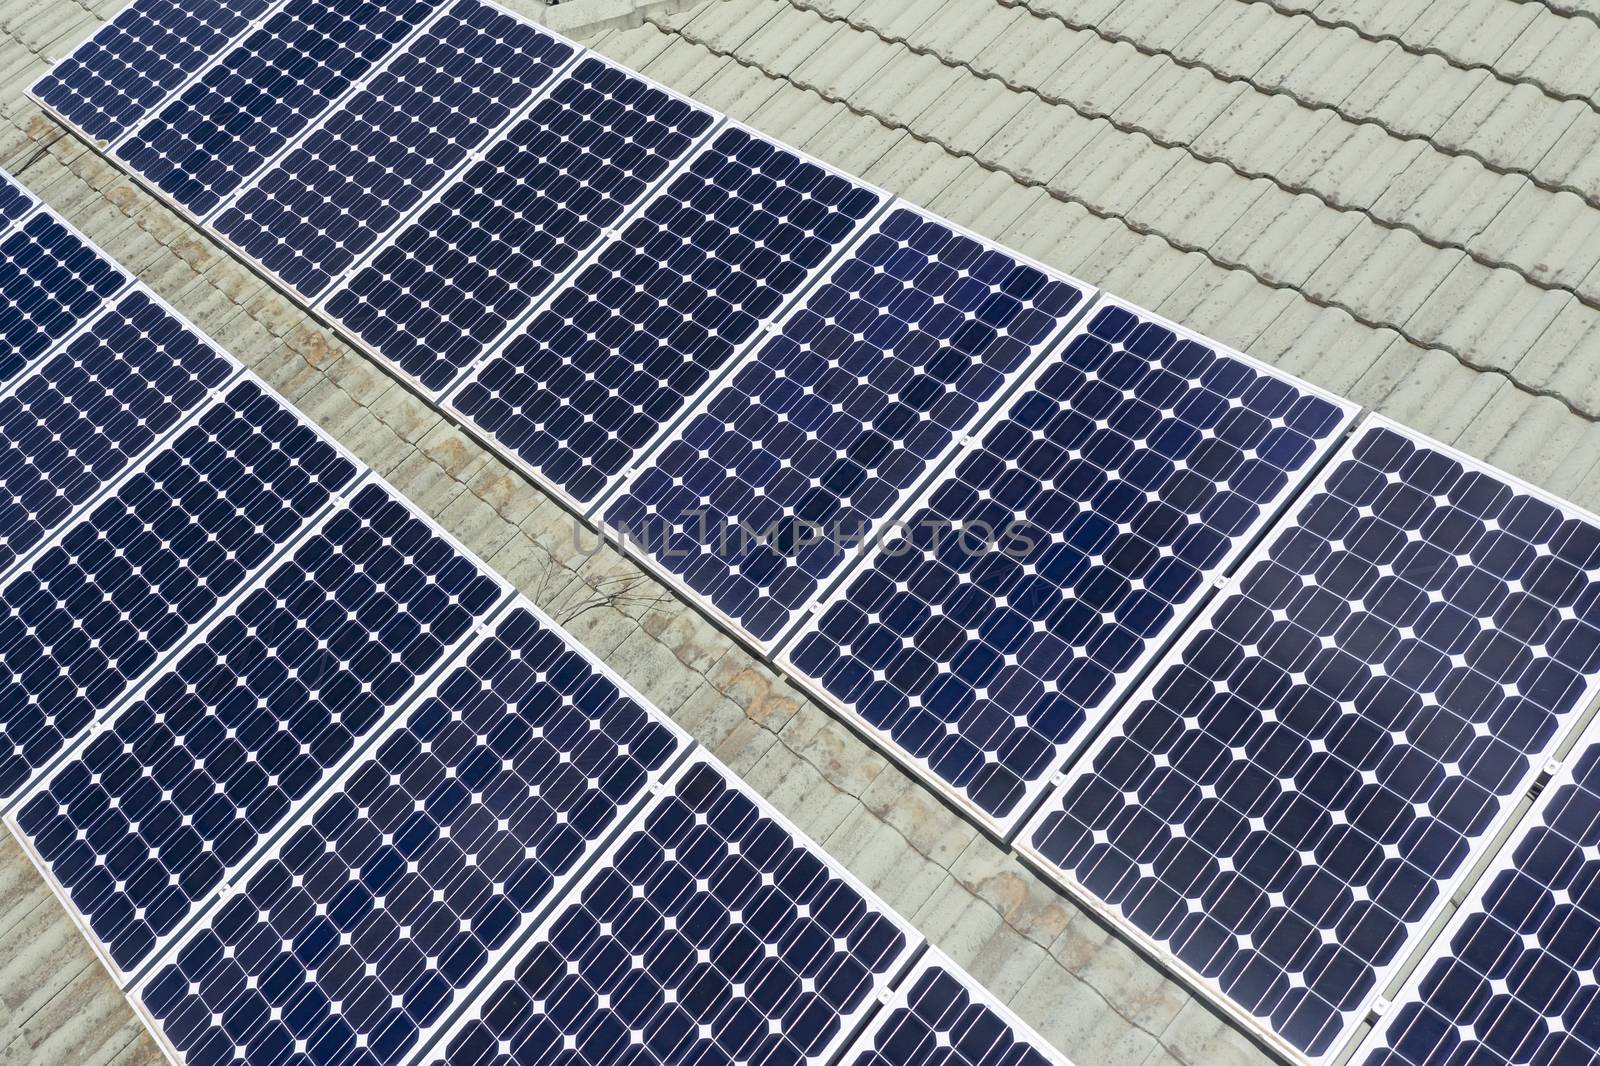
(827, 426)
(397, 138)
(149, 49)
(625, 346)
(939, 1016)
(710, 933)
(1026, 590)
(1290, 799)
(85, 414)
(229, 123)
(449, 285)
(743, 361)
(1512, 979)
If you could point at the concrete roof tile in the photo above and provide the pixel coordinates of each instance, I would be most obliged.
(1286, 237)
(1448, 197)
(1413, 94)
(1425, 388)
(1115, 171)
(1029, 50)
(1061, 234)
(1502, 121)
(735, 88)
(1490, 316)
(851, 142)
(1555, 236)
(1574, 160)
(1535, 438)
(1201, 201)
(1353, 163)
(1389, 272)
(970, 28)
(1322, 64)
(1081, 12)
(1377, 17)
(1144, 269)
(733, 23)
(985, 201)
(907, 85)
(1556, 51)
(894, 18)
(1037, 143)
(1241, 38)
(915, 169)
(1324, 345)
(1473, 31)
(1229, 305)
(1563, 358)
(1100, 77)
(968, 112)
(1178, 101)
(1243, 129)
(1159, 22)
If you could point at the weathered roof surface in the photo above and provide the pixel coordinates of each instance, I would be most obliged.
(1398, 201)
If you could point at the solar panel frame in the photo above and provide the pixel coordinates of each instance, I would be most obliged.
(473, 1006)
(1199, 623)
(335, 783)
(1097, 715)
(934, 961)
(302, 808)
(361, 473)
(117, 153)
(313, 300)
(322, 308)
(1044, 350)
(159, 441)
(38, 91)
(1555, 777)
(591, 508)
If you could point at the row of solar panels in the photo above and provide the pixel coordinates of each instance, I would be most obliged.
(744, 362)
(320, 788)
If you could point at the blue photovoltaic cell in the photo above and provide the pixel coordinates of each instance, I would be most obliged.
(88, 413)
(942, 1018)
(51, 280)
(753, 504)
(1025, 592)
(358, 933)
(442, 291)
(631, 340)
(395, 140)
(122, 73)
(1300, 783)
(15, 201)
(274, 83)
(710, 934)
(1516, 977)
(183, 786)
(127, 581)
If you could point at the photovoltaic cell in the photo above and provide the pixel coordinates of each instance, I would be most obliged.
(88, 413)
(712, 933)
(15, 201)
(396, 139)
(263, 92)
(121, 74)
(51, 279)
(941, 1017)
(1026, 591)
(1288, 801)
(127, 582)
(824, 430)
(630, 342)
(217, 750)
(441, 292)
(359, 932)
(1513, 979)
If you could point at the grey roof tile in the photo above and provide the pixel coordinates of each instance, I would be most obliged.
(1556, 235)
(1556, 51)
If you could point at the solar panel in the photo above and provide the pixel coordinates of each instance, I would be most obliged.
(87, 414)
(825, 429)
(124, 584)
(132, 63)
(227, 125)
(355, 937)
(939, 1016)
(397, 138)
(1288, 801)
(626, 346)
(440, 293)
(15, 201)
(1512, 979)
(711, 933)
(1025, 592)
(217, 750)
(51, 279)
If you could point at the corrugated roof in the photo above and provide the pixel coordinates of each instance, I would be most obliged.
(1398, 202)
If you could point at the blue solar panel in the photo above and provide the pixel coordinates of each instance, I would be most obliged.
(125, 583)
(626, 346)
(114, 79)
(1513, 978)
(820, 435)
(216, 751)
(88, 413)
(712, 933)
(397, 138)
(441, 292)
(358, 934)
(15, 201)
(51, 279)
(282, 77)
(1025, 592)
(1293, 795)
(941, 1017)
